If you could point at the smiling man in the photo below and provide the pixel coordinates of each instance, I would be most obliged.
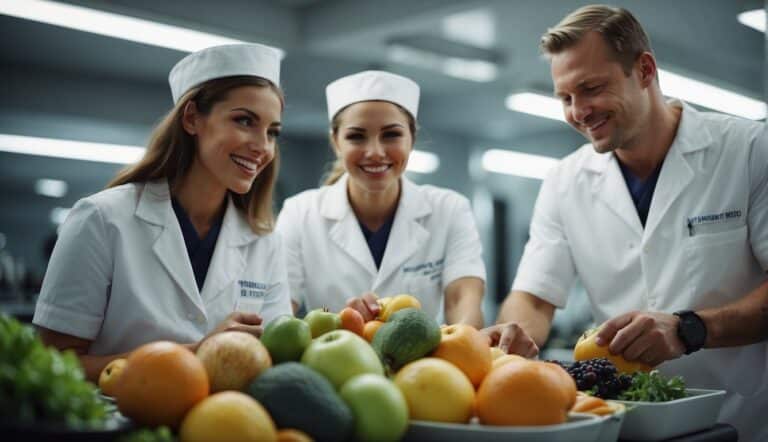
(663, 216)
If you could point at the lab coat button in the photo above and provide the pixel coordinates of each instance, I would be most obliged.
(646, 249)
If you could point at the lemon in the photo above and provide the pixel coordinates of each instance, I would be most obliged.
(229, 415)
(436, 390)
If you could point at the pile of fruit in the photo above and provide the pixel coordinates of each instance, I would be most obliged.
(333, 376)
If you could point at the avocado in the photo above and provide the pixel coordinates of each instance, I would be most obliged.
(298, 397)
(409, 334)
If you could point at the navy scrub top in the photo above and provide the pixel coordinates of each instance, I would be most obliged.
(377, 241)
(200, 250)
(641, 190)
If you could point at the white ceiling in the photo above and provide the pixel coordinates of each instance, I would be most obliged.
(57, 81)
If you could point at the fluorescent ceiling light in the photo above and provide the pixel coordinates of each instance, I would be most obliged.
(517, 163)
(59, 215)
(76, 150)
(422, 162)
(672, 85)
(114, 25)
(536, 104)
(476, 27)
(755, 19)
(51, 188)
(466, 69)
(703, 94)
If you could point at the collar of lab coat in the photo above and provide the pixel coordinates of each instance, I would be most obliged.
(335, 205)
(692, 135)
(407, 234)
(154, 207)
(676, 174)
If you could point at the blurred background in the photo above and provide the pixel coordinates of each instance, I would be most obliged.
(83, 82)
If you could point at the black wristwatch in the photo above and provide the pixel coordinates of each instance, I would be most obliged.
(691, 330)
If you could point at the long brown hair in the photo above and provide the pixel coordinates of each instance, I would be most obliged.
(171, 151)
(337, 168)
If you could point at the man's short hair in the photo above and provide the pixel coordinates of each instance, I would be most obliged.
(620, 30)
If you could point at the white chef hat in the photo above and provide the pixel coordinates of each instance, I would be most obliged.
(224, 61)
(370, 86)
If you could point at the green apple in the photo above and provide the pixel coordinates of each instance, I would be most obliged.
(379, 407)
(286, 338)
(322, 321)
(339, 355)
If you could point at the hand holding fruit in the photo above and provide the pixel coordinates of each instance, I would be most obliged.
(367, 305)
(238, 321)
(648, 337)
(511, 338)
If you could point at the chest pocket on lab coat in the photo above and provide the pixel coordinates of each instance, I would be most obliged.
(425, 282)
(716, 263)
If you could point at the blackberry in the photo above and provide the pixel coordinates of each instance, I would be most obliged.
(597, 375)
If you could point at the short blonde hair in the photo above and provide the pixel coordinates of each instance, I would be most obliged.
(620, 30)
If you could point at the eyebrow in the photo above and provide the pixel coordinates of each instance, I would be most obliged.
(388, 126)
(254, 115)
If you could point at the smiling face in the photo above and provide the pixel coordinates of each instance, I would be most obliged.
(236, 140)
(599, 99)
(373, 140)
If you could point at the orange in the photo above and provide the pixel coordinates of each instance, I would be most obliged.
(595, 405)
(352, 320)
(436, 390)
(566, 383)
(505, 359)
(496, 353)
(370, 329)
(465, 347)
(228, 416)
(161, 381)
(110, 376)
(524, 393)
(587, 348)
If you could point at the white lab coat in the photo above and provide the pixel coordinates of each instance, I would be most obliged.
(585, 224)
(120, 274)
(433, 242)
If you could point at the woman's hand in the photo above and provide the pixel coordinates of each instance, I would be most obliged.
(366, 304)
(511, 338)
(237, 321)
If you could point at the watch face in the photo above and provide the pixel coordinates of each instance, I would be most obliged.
(692, 331)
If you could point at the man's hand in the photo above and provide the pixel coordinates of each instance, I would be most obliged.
(648, 337)
(511, 338)
(366, 305)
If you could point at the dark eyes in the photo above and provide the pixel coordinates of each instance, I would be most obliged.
(354, 136)
(357, 136)
(247, 121)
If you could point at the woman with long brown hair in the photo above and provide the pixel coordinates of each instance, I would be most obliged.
(370, 230)
(179, 246)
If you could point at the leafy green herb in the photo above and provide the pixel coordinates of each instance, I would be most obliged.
(159, 434)
(653, 387)
(41, 384)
